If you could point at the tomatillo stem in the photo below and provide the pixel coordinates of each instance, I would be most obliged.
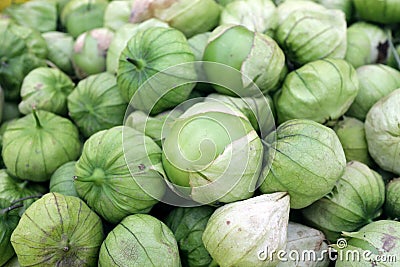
(8, 209)
(26, 198)
(38, 125)
(137, 63)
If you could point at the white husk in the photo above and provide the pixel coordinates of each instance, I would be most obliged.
(238, 233)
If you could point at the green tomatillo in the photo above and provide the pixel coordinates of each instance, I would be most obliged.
(58, 230)
(90, 51)
(392, 202)
(79, 16)
(383, 133)
(213, 152)
(121, 38)
(62, 180)
(39, 15)
(244, 233)
(355, 201)
(119, 173)
(37, 144)
(366, 44)
(256, 57)
(383, 11)
(156, 69)
(256, 15)
(301, 240)
(375, 243)
(45, 89)
(305, 159)
(321, 90)
(22, 50)
(375, 82)
(140, 240)
(309, 31)
(351, 133)
(60, 49)
(191, 17)
(96, 104)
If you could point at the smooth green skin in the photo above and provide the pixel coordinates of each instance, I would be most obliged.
(242, 49)
(60, 46)
(188, 225)
(385, 11)
(191, 17)
(355, 201)
(213, 142)
(45, 89)
(140, 240)
(33, 148)
(13, 189)
(307, 160)
(365, 44)
(39, 15)
(103, 178)
(121, 38)
(147, 53)
(383, 133)
(321, 91)
(22, 50)
(259, 111)
(190, 135)
(351, 133)
(8, 222)
(376, 82)
(307, 35)
(196, 141)
(90, 50)
(62, 180)
(228, 45)
(58, 230)
(96, 104)
(79, 16)
(380, 237)
(256, 15)
(392, 203)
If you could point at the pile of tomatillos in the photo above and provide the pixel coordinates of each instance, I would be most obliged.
(200, 133)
